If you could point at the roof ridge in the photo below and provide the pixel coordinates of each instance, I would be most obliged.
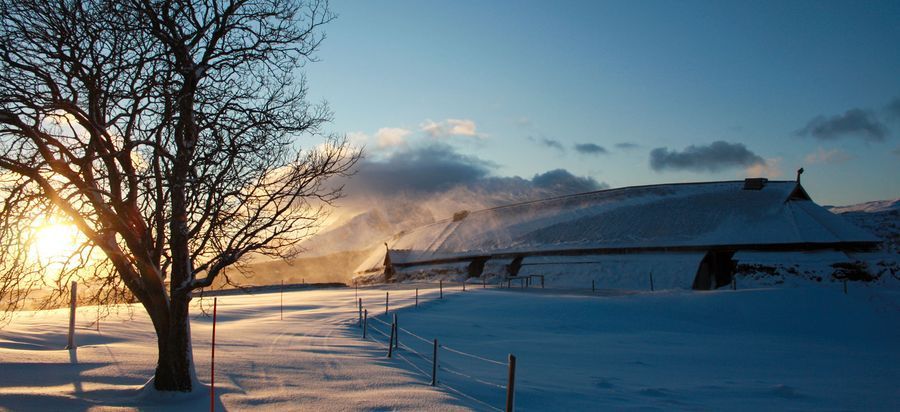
(612, 189)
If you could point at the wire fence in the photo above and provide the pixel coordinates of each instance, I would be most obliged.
(459, 371)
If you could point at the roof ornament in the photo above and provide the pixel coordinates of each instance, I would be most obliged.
(799, 172)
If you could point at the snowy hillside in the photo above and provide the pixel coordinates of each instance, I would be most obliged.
(808, 348)
(868, 207)
(879, 217)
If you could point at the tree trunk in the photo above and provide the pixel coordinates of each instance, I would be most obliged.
(175, 368)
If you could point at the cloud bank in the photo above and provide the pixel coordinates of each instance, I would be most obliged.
(718, 155)
(425, 170)
(854, 123)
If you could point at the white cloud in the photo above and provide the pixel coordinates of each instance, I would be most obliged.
(833, 156)
(450, 127)
(357, 138)
(391, 136)
(770, 169)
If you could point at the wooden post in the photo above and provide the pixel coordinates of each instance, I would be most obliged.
(441, 285)
(417, 297)
(651, 281)
(511, 383)
(845, 286)
(434, 361)
(484, 283)
(542, 281)
(391, 340)
(464, 286)
(73, 304)
(397, 334)
(733, 283)
(360, 311)
(365, 322)
(212, 362)
(387, 297)
(282, 299)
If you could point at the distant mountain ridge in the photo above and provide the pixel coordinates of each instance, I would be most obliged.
(875, 206)
(881, 217)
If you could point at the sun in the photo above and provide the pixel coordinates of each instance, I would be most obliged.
(54, 243)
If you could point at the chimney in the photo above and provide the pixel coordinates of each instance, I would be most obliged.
(755, 183)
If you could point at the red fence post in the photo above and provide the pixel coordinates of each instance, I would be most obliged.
(212, 363)
(73, 304)
(511, 384)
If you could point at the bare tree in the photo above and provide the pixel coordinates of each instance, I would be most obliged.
(167, 132)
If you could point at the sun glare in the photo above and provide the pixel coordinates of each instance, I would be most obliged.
(54, 243)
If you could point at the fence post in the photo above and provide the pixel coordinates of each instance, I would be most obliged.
(396, 335)
(365, 322)
(484, 283)
(651, 281)
(434, 361)
(360, 311)
(845, 286)
(733, 282)
(72, 306)
(417, 297)
(391, 340)
(464, 286)
(212, 362)
(511, 384)
(387, 296)
(441, 285)
(542, 281)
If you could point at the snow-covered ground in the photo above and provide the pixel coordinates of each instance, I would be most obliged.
(798, 348)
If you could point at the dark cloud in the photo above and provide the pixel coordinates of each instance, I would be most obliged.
(561, 181)
(590, 148)
(423, 171)
(627, 145)
(857, 123)
(717, 156)
(426, 169)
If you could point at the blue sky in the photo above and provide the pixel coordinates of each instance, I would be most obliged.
(651, 92)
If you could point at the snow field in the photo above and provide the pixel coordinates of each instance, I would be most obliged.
(761, 349)
(755, 349)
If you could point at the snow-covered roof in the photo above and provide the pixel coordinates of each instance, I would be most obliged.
(667, 215)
